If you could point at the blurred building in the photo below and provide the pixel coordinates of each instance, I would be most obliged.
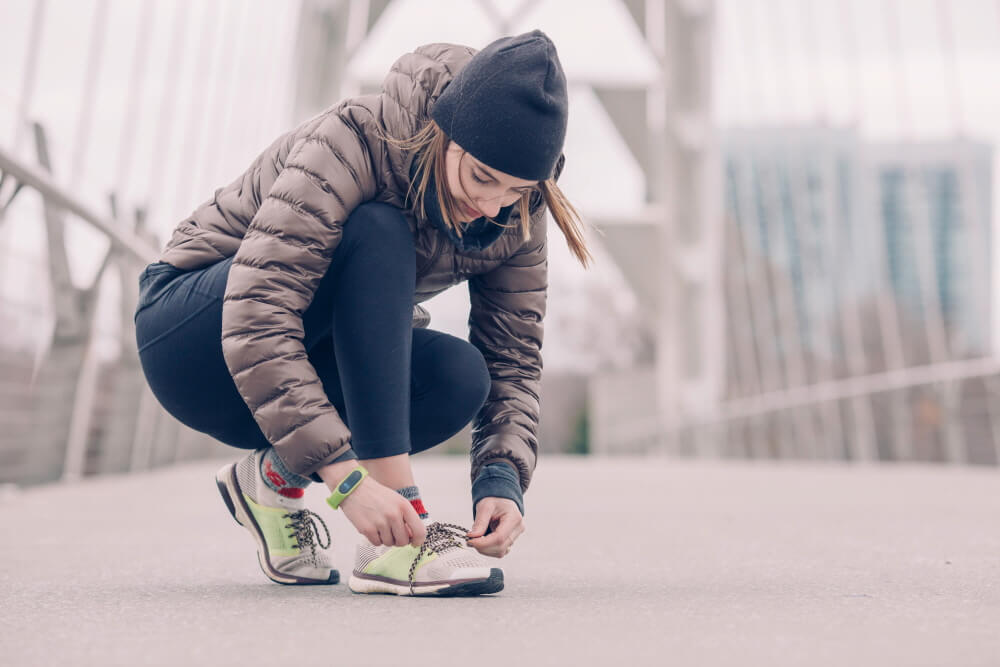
(793, 206)
(935, 201)
(824, 226)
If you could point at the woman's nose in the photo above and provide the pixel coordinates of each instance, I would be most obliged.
(489, 207)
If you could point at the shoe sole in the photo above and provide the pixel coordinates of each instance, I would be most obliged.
(359, 583)
(232, 495)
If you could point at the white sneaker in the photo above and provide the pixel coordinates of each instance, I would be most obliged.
(444, 566)
(288, 546)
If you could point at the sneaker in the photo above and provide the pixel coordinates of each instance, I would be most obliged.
(444, 566)
(288, 546)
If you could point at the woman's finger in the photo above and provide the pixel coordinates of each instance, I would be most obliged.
(516, 530)
(495, 543)
(371, 535)
(400, 535)
(484, 514)
(418, 531)
(487, 543)
(519, 529)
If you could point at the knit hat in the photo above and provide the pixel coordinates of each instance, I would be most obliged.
(508, 106)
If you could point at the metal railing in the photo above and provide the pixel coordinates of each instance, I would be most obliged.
(70, 414)
(133, 151)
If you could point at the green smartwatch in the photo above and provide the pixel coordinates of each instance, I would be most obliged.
(346, 486)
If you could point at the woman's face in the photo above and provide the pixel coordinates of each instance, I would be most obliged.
(479, 190)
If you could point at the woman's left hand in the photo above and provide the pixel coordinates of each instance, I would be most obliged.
(503, 519)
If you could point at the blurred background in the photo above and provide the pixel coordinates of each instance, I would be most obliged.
(791, 203)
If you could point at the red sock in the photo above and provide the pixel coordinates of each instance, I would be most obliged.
(412, 494)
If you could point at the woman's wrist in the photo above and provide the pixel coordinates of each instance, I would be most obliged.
(497, 480)
(333, 473)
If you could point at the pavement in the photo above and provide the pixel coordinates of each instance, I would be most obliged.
(626, 561)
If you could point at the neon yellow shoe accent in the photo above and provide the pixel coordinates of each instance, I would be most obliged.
(396, 562)
(447, 567)
(278, 533)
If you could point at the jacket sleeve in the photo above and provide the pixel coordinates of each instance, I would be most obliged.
(507, 308)
(275, 273)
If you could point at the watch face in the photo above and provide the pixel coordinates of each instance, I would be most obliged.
(349, 482)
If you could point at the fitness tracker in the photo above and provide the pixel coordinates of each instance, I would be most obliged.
(346, 486)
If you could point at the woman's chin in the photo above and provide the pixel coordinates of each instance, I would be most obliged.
(468, 215)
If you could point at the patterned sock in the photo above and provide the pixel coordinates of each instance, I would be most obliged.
(279, 478)
(412, 494)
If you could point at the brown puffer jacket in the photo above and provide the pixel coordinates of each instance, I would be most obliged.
(282, 219)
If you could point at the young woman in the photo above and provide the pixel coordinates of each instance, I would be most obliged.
(282, 315)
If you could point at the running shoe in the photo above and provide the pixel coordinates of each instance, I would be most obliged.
(289, 548)
(443, 566)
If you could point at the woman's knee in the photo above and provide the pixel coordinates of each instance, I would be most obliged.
(452, 383)
(386, 225)
(464, 376)
(376, 258)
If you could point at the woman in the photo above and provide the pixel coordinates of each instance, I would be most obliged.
(282, 315)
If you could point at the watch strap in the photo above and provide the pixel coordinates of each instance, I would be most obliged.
(346, 486)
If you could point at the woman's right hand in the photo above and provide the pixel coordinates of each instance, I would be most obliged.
(383, 516)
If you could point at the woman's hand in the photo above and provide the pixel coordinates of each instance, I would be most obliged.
(383, 516)
(501, 517)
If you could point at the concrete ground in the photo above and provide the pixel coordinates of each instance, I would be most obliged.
(625, 561)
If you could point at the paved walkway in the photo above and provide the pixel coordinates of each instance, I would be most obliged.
(625, 562)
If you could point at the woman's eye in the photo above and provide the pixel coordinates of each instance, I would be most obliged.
(476, 178)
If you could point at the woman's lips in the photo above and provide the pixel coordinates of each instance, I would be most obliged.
(470, 211)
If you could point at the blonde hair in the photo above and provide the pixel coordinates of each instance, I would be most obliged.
(431, 146)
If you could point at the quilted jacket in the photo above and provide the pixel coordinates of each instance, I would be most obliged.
(282, 219)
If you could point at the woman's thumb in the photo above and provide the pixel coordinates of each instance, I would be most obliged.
(481, 523)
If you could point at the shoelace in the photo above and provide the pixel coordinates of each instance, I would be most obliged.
(440, 537)
(303, 522)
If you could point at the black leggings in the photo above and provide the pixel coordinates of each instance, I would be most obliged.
(400, 390)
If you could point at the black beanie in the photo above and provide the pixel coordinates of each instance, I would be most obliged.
(508, 106)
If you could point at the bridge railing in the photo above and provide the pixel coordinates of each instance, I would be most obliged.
(68, 406)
